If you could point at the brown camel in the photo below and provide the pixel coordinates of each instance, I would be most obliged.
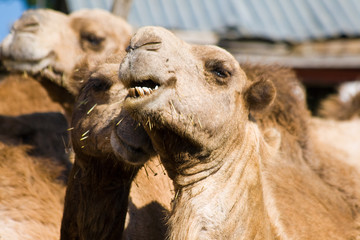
(35, 48)
(106, 142)
(95, 36)
(240, 154)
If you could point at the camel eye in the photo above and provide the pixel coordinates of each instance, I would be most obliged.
(92, 39)
(221, 73)
(217, 68)
(100, 85)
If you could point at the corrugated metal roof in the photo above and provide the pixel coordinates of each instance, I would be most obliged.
(74, 5)
(279, 20)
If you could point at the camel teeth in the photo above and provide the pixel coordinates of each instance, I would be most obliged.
(140, 91)
(146, 91)
(132, 92)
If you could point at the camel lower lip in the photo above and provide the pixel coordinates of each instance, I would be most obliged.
(130, 154)
(129, 148)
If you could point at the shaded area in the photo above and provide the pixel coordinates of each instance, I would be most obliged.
(153, 218)
(46, 133)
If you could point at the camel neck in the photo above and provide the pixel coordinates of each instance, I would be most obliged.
(228, 204)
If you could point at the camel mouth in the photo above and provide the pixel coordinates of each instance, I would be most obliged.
(32, 66)
(143, 88)
(133, 155)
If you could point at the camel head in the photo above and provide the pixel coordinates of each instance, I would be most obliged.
(189, 98)
(100, 128)
(48, 44)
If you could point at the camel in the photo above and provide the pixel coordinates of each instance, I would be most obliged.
(106, 140)
(35, 49)
(73, 88)
(37, 42)
(242, 161)
(328, 126)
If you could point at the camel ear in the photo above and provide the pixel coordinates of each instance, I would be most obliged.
(260, 95)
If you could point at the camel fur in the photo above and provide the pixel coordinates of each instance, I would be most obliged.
(243, 162)
(108, 197)
(31, 127)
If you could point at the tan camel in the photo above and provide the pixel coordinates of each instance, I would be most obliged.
(106, 140)
(47, 45)
(328, 127)
(236, 175)
(73, 89)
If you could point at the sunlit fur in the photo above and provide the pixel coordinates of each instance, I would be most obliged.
(242, 168)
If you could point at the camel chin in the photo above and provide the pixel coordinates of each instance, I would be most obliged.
(133, 155)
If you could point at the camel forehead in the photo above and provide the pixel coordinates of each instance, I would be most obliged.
(210, 52)
(44, 14)
(169, 43)
(45, 18)
(92, 14)
(99, 20)
(152, 35)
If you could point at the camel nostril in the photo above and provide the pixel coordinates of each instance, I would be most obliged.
(152, 46)
(27, 24)
(129, 48)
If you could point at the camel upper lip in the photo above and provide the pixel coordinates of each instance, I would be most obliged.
(142, 88)
(32, 65)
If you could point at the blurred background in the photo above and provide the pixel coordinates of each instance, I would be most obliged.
(319, 39)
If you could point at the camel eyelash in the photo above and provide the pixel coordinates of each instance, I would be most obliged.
(217, 68)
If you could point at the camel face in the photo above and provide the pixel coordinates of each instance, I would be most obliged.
(100, 127)
(194, 91)
(29, 46)
(49, 43)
